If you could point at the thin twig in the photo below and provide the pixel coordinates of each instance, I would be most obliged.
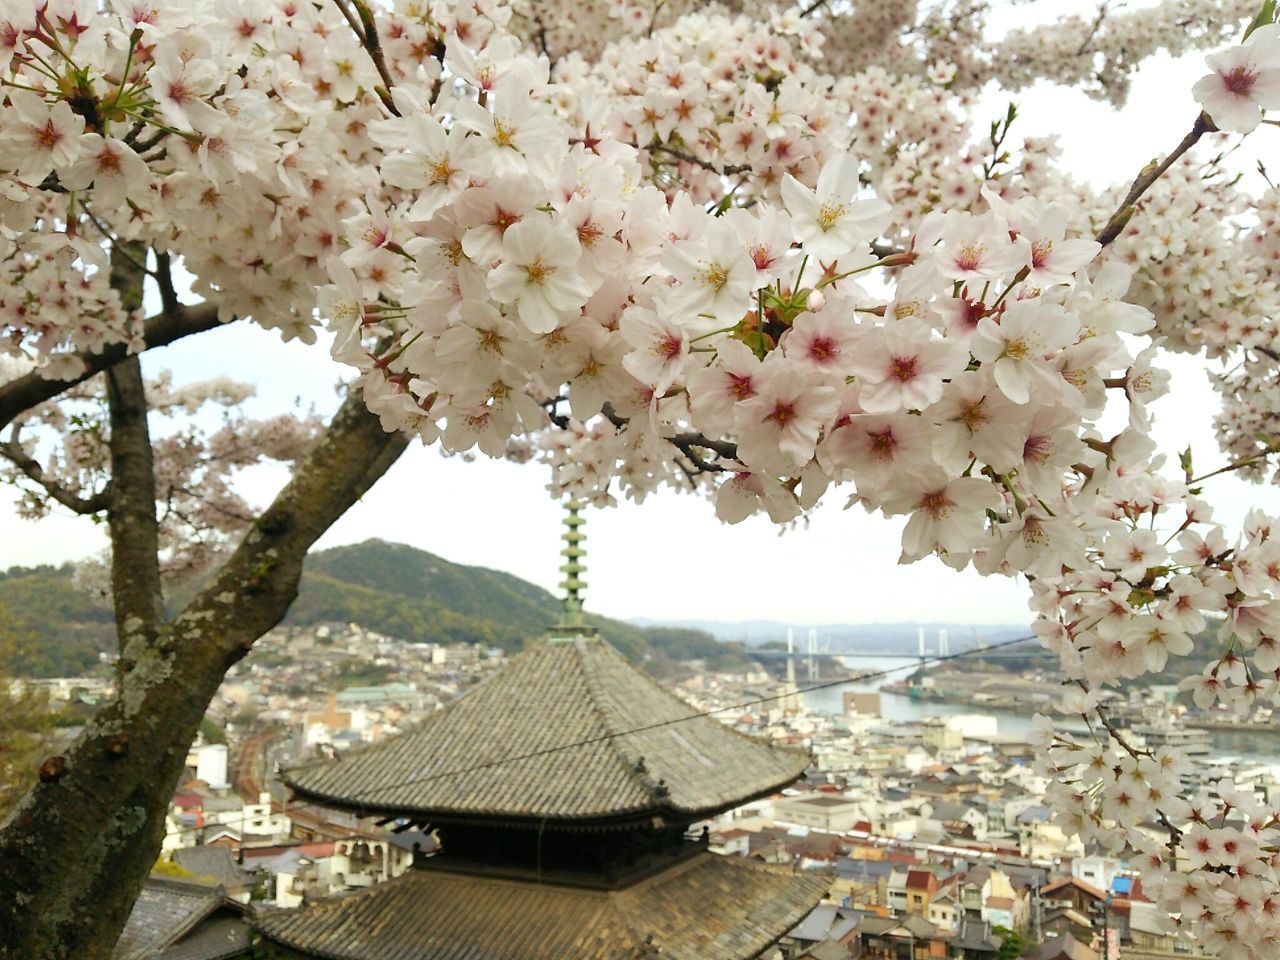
(366, 32)
(1247, 462)
(729, 171)
(1093, 31)
(225, 511)
(1150, 174)
(351, 19)
(687, 443)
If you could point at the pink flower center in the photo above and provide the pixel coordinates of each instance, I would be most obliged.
(970, 256)
(972, 415)
(902, 369)
(935, 504)
(669, 346)
(823, 349)
(883, 444)
(741, 387)
(48, 135)
(783, 413)
(108, 159)
(502, 219)
(178, 92)
(762, 258)
(1239, 80)
(1036, 449)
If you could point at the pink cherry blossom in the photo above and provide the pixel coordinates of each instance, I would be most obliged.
(903, 366)
(1244, 82)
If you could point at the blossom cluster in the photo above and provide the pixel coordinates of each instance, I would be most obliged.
(707, 261)
(1203, 855)
(203, 440)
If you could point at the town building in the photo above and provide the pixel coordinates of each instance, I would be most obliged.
(562, 791)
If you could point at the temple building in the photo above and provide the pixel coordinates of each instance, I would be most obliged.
(562, 791)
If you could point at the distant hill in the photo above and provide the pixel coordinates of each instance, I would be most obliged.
(391, 588)
(48, 628)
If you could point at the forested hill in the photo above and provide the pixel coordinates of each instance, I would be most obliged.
(53, 629)
(49, 628)
(409, 593)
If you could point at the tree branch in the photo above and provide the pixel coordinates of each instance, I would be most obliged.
(264, 570)
(730, 170)
(135, 532)
(164, 280)
(12, 451)
(160, 330)
(366, 32)
(684, 442)
(1149, 175)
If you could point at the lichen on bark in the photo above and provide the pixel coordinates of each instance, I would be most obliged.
(75, 852)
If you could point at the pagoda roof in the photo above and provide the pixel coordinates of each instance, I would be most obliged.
(553, 737)
(705, 908)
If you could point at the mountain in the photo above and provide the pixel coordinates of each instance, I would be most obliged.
(55, 629)
(48, 627)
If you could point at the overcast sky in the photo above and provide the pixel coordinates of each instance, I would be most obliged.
(670, 558)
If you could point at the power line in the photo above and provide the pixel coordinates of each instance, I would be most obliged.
(915, 663)
(608, 737)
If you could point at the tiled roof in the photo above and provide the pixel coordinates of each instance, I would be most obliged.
(919, 879)
(214, 864)
(828, 950)
(706, 908)
(1066, 948)
(455, 764)
(1087, 888)
(167, 911)
(219, 939)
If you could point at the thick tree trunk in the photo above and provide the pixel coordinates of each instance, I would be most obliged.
(75, 853)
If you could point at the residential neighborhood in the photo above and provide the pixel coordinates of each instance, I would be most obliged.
(933, 841)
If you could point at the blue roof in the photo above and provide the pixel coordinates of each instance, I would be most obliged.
(850, 869)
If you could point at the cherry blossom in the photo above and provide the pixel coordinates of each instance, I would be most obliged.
(828, 221)
(1244, 82)
(763, 257)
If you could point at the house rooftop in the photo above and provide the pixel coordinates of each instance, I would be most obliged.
(1066, 882)
(169, 920)
(1065, 948)
(709, 908)
(551, 737)
(212, 865)
(919, 879)
(822, 800)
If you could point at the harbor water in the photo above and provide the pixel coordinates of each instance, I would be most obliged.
(1249, 746)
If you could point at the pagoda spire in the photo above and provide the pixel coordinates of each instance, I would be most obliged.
(572, 623)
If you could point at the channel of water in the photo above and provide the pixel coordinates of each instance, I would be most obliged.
(1248, 745)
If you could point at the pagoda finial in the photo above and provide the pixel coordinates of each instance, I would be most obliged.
(572, 624)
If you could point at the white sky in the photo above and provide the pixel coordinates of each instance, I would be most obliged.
(670, 558)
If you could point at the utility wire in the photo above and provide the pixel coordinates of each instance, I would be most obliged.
(608, 737)
(590, 741)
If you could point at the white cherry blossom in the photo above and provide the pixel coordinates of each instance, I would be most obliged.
(828, 221)
(1244, 82)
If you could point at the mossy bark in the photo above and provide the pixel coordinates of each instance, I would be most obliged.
(76, 851)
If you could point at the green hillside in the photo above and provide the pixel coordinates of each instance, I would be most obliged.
(51, 629)
(391, 588)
